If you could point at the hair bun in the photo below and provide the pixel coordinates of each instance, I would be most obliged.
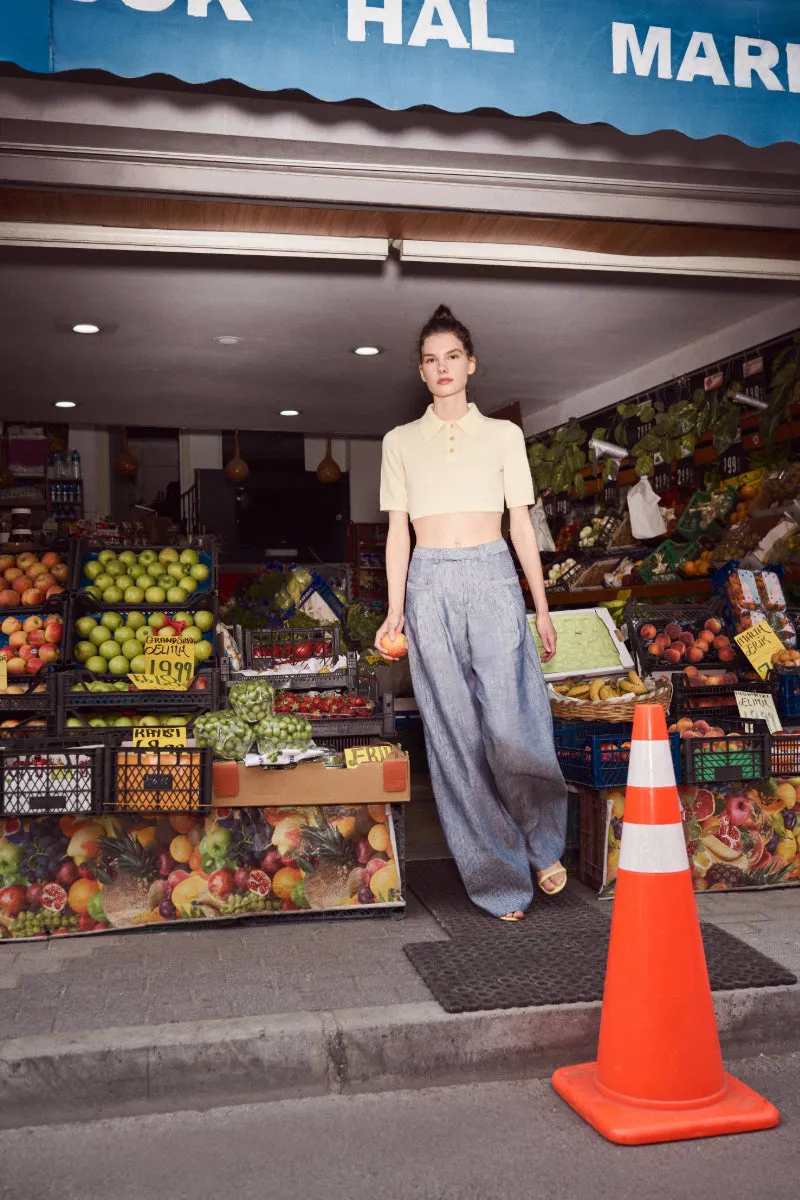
(443, 321)
(442, 312)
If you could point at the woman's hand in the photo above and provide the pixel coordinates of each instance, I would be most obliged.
(392, 625)
(547, 633)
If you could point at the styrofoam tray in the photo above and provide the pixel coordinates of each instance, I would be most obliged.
(625, 661)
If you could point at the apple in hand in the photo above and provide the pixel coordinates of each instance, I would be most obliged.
(396, 647)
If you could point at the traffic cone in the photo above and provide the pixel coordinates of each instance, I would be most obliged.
(659, 1074)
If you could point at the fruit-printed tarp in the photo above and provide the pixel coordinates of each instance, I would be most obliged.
(744, 834)
(72, 874)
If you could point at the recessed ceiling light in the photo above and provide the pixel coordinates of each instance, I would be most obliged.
(228, 339)
(64, 404)
(367, 351)
(289, 412)
(86, 328)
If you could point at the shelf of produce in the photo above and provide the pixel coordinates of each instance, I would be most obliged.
(588, 597)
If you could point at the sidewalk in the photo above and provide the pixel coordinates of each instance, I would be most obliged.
(178, 1018)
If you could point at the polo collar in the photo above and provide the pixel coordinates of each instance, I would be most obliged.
(470, 423)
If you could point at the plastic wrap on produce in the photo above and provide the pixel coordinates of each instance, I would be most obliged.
(253, 699)
(309, 666)
(227, 735)
(287, 759)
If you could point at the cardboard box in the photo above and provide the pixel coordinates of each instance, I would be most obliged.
(312, 783)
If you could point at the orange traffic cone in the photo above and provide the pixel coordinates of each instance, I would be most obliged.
(658, 1075)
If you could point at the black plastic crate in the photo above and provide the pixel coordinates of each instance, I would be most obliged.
(160, 780)
(743, 752)
(45, 777)
(202, 696)
(379, 725)
(660, 615)
(59, 606)
(300, 682)
(597, 755)
(84, 606)
(89, 548)
(710, 702)
(33, 698)
(593, 843)
(65, 547)
(270, 649)
(785, 754)
(30, 727)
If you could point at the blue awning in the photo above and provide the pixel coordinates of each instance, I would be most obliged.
(721, 67)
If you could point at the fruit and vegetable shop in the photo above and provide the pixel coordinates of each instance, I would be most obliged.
(213, 273)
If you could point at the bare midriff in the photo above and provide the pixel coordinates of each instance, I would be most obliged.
(450, 531)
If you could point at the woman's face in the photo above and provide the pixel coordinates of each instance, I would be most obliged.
(445, 366)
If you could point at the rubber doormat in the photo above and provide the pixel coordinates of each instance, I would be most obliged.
(556, 956)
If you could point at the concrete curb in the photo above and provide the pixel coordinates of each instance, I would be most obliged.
(203, 1064)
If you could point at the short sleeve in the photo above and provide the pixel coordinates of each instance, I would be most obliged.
(517, 480)
(394, 496)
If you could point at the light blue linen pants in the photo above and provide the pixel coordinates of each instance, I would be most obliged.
(499, 790)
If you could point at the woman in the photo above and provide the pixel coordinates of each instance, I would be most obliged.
(500, 794)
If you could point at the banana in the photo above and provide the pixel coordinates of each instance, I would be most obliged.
(633, 677)
(720, 851)
(637, 686)
(562, 688)
(580, 692)
(594, 689)
(627, 688)
(606, 693)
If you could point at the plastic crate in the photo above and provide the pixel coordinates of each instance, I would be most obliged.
(670, 555)
(33, 699)
(709, 702)
(203, 696)
(567, 581)
(379, 725)
(636, 615)
(86, 607)
(270, 649)
(599, 757)
(88, 549)
(43, 777)
(594, 823)
(59, 606)
(63, 546)
(572, 846)
(163, 780)
(785, 754)
(31, 727)
(734, 756)
(785, 682)
(690, 525)
(303, 682)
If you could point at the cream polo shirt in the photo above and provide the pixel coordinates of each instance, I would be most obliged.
(431, 467)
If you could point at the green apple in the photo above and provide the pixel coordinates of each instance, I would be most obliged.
(138, 664)
(124, 582)
(193, 633)
(188, 584)
(200, 572)
(122, 634)
(175, 571)
(147, 557)
(124, 723)
(92, 569)
(115, 568)
(189, 557)
(167, 631)
(143, 634)
(100, 635)
(104, 581)
(156, 620)
(75, 723)
(119, 665)
(168, 555)
(176, 595)
(203, 620)
(109, 650)
(149, 721)
(112, 595)
(145, 581)
(155, 595)
(136, 570)
(202, 651)
(134, 595)
(128, 557)
(98, 722)
(93, 592)
(106, 556)
(97, 665)
(84, 651)
(136, 620)
(111, 621)
(85, 625)
(131, 649)
(176, 721)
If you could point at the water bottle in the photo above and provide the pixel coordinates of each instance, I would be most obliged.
(76, 465)
(58, 466)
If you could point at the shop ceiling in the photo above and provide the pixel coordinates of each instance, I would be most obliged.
(546, 337)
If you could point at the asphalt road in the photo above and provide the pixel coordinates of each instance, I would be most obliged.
(491, 1141)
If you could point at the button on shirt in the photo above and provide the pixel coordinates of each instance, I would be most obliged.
(432, 467)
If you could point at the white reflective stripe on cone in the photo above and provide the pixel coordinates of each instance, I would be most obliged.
(653, 849)
(651, 764)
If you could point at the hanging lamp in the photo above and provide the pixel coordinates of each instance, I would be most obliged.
(236, 469)
(329, 470)
(126, 464)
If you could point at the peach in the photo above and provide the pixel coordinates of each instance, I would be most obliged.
(31, 623)
(721, 640)
(727, 654)
(49, 654)
(672, 656)
(730, 677)
(656, 649)
(705, 635)
(50, 559)
(684, 723)
(691, 672)
(696, 653)
(672, 630)
(396, 647)
(10, 625)
(647, 633)
(679, 647)
(687, 639)
(702, 726)
(9, 724)
(664, 639)
(16, 666)
(33, 597)
(713, 625)
(8, 598)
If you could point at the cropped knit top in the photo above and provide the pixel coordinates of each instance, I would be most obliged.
(431, 467)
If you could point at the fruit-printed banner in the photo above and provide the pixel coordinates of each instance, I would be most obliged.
(641, 65)
(737, 834)
(74, 874)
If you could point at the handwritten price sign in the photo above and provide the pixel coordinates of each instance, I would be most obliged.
(759, 706)
(356, 755)
(159, 735)
(759, 644)
(170, 658)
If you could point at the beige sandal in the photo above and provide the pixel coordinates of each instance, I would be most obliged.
(512, 917)
(551, 874)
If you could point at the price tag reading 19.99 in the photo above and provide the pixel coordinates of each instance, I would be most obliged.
(170, 659)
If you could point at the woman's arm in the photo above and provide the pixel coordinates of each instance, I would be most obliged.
(524, 542)
(398, 551)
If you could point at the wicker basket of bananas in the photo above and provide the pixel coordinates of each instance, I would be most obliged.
(609, 698)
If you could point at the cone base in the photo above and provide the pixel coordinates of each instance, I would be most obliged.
(741, 1111)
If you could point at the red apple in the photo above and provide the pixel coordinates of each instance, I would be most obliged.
(31, 623)
(18, 639)
(60, 573)
(50, 559)
(43, 582)
(55, 590)
(8, 598)
(32, 597)
(22, 584)
(53, 632)
(48, 654)
(10, 625)
(396, 647)
(6, 562)
(25, 560)
(16, 666)
(36, 638)
(35, 570)
(13, 573)
(26, 652)
(34, 665)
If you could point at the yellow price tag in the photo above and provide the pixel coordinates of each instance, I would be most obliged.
(354, 756)
(170, 658)
(156, 683)
(3, 673)
(759, 644)
(159, 735)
